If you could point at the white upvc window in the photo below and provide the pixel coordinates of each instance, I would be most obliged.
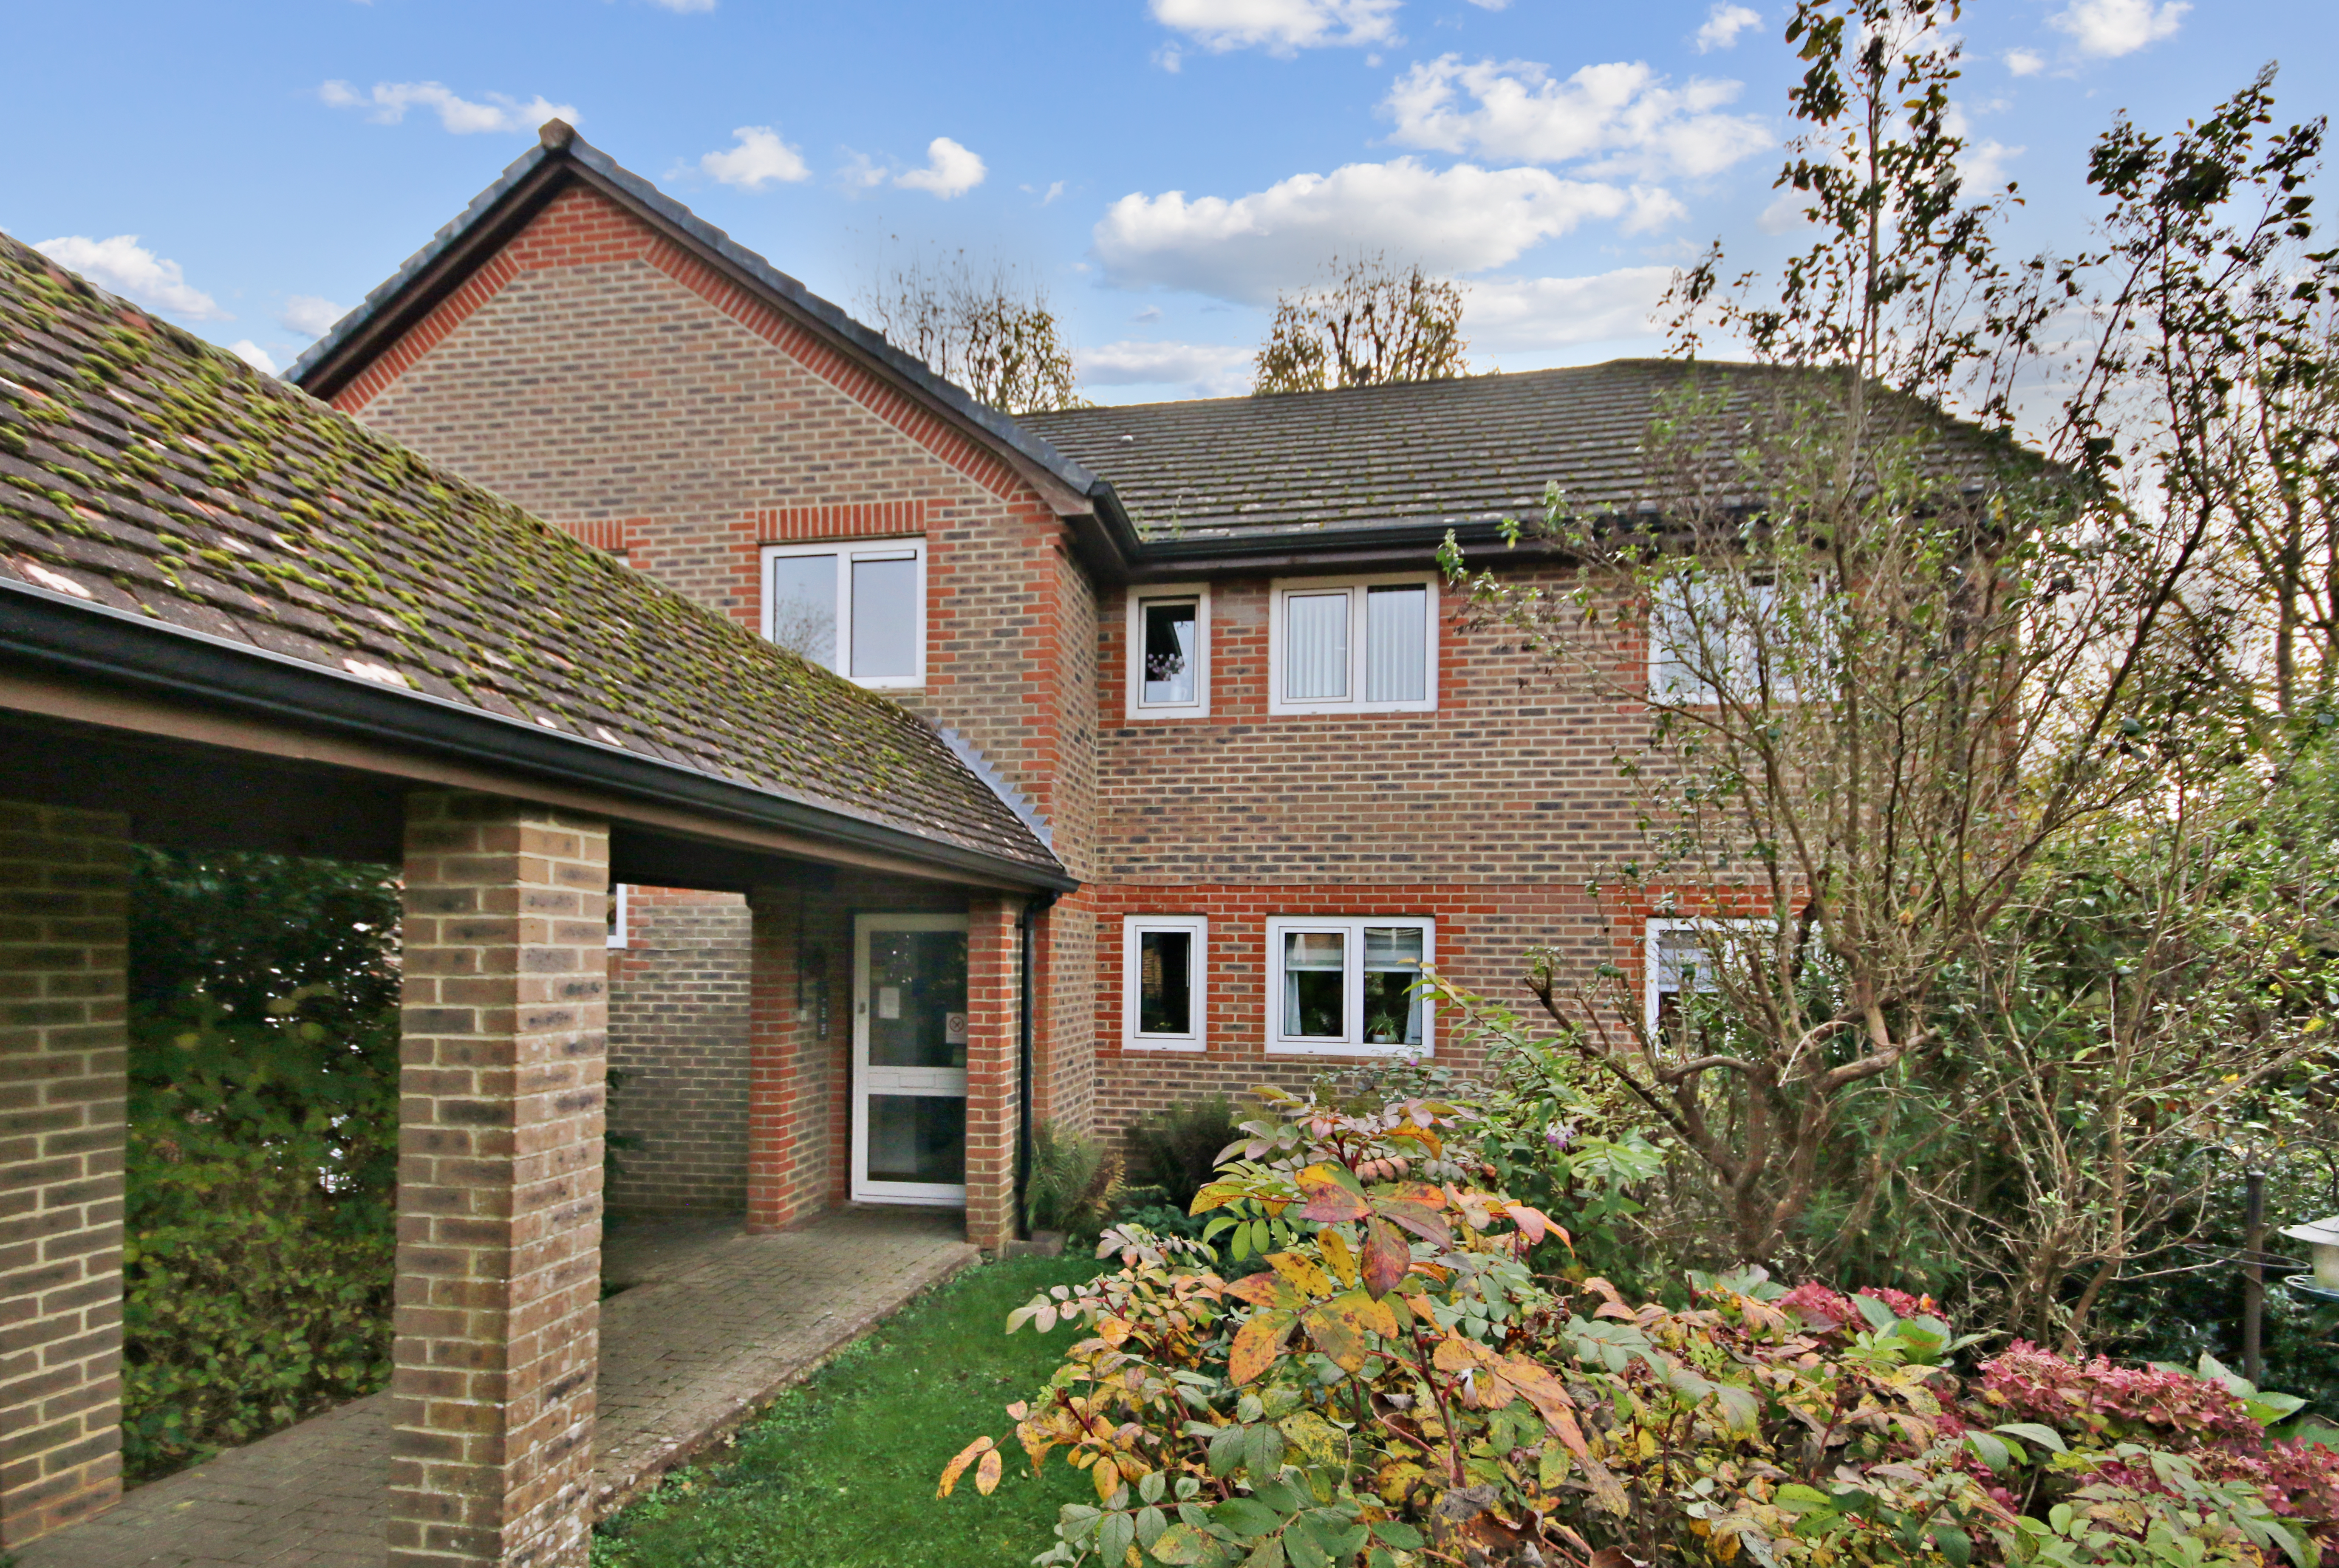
(857, 606)
(1353, 645)
(1744, 635)
(1165, 966)
(1169, 652)
(1680, 959)
(617, 913)
(1343, 987)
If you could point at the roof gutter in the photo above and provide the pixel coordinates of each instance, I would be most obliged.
(100, 642)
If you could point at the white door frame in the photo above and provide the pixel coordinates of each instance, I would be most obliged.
(939, 1082)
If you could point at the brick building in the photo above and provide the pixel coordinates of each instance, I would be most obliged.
(1202, 648)
(234, 620)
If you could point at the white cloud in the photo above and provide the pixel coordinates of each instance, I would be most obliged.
(2110, 28)
(1458, 220)
(128, 268)
(1722, 25)
(1623, 115)
(309, 315)
(1513, 315)
(252, 354)
(1207, 369)
(951, 171)
(1492, 4)
(388, 102)
(1279, 26)
(760, 158)
(684, 7)
(2025, 61)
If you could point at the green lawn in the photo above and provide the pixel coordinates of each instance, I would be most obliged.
(841, 1472)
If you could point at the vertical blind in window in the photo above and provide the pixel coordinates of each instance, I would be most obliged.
(884, 619)
(1396, 645)
(1315, 647)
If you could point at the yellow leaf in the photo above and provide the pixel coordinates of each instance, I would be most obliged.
(1256, 1344)
(1107, 1476)
(957, 1467)
(1340, 1255)
(1301, 1272)
(986, 1473)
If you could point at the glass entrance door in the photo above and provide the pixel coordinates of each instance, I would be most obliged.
(909, 1059)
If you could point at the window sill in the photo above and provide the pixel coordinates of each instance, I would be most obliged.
(1182, 1047)
(1343, 1047)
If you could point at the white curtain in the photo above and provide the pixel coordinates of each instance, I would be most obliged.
(1396, 645)
(1315, 647)
(884, 619)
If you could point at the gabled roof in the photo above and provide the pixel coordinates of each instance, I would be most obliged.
(1325, 470)
(562, 158)
(153, 487)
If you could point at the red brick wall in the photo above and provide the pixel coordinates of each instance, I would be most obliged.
(599, 376)
(678, 1035)
(1493, 814)
(64, 879)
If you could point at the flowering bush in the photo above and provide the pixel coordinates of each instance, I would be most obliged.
(1398, 1387)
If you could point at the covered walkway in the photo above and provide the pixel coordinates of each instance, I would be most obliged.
(711, 1321)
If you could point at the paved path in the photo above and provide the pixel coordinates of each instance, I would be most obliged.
(711, 1323)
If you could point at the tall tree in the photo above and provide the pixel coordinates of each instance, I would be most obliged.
(988, 328)
(1372, 324)
(1888, 658)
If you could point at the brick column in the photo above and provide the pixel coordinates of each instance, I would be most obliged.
(993, 994)
(789, 1085)
(499, 1184)
(65, 895)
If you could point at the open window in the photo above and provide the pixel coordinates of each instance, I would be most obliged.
(858, 608)
(618, 901)
(1348, 987)
(1169, 652)
(1165, 981)
(1365, 644)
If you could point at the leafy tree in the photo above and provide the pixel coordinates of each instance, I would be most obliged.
(988, 329)
(1890, 660)
(1373, 324)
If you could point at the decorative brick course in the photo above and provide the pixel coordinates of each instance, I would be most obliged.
(64, 879)
(505, 1018)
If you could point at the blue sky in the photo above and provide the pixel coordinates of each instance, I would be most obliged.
(1162, 166)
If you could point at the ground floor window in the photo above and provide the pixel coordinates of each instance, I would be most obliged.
(1347, 987)
(1163, 989)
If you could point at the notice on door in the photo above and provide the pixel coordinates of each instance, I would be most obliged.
(953, 1029)
(889, 1001)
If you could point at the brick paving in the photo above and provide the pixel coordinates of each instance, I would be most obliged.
(712, 1322)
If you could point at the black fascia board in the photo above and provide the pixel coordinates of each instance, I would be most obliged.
(118, 648)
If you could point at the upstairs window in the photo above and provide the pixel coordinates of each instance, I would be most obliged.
(1711, 637)
(859, 609)
(1347, 987)
(1169, 652)
(1364, 646)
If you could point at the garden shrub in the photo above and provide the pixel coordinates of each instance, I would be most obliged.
(1075, 1182)
(1178, 1147)
(1401, 1387)
(261, 1215)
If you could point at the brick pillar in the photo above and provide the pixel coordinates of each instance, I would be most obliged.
(65, 895)
(993, 992)
(500, 1183)
(789, 1085)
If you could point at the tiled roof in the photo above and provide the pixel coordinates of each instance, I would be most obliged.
(1305, 466)
(142, 469)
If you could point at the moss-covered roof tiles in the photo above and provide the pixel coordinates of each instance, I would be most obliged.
(144, 469)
